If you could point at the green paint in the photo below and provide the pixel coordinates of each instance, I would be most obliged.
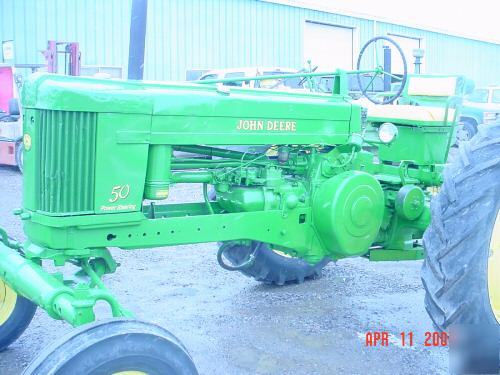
(158, 172)
(348, 210)
(396, 255)
(99, 148)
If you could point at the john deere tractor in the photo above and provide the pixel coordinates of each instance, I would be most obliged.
(317, 178)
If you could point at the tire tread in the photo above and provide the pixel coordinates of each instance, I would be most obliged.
(467, 202)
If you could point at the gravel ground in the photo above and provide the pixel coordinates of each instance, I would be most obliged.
(234, 325)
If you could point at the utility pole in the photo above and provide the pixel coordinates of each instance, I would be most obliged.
(137, 43)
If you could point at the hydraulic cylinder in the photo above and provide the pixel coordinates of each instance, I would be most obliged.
(30, 280)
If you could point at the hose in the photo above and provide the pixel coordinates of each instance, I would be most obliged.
(245, 264)
(207, 200)
(8, 241)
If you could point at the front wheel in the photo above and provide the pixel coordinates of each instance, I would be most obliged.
(461, 272)
(20, 156)
(119, 346)
(272, 266)
(16, 313)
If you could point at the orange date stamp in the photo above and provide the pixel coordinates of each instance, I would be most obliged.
(405, 339)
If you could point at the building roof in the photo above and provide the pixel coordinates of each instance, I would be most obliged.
(397, 17)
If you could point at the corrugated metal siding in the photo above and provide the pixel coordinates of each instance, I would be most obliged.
(195, 34)
(446, 54)
(100, 26)
(205, 34)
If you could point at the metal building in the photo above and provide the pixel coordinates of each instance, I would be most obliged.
(187, 35)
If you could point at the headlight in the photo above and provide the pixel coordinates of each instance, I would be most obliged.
(489, 117)
(387, 132)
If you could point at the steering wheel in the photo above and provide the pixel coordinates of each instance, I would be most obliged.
(379, 72)
(301, 82)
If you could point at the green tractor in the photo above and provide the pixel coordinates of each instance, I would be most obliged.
(316, 179)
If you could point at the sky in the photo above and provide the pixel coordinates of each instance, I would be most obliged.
(474, 18)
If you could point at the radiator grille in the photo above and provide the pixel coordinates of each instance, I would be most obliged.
(66, 161)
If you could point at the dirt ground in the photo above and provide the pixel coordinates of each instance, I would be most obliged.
(234, 325)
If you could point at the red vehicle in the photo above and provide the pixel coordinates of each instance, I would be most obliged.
(61, 58)
(11, 146)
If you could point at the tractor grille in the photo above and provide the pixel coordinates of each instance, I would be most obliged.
(66, 161)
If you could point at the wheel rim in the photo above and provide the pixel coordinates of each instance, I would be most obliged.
(8, 300)
(462, 134)
(493, 269)
(283, 254)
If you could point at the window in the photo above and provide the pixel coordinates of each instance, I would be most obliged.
(292, 83)
(495, 96)
(236, 75)
(209, 76)
(479, 96)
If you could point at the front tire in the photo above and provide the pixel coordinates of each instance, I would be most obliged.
(271, 266)
(456, 269)
(113, 347)
(20, 155)
(16, 313)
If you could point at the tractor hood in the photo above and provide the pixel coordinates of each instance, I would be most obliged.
(56, 92)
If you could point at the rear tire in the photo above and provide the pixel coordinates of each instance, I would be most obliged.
(457, 242)
(271, 267)
(115, 346)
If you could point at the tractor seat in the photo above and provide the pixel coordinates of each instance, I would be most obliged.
(425, 90)
(410, 114)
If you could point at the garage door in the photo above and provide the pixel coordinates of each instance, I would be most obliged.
(329, 47)
(407, 45)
